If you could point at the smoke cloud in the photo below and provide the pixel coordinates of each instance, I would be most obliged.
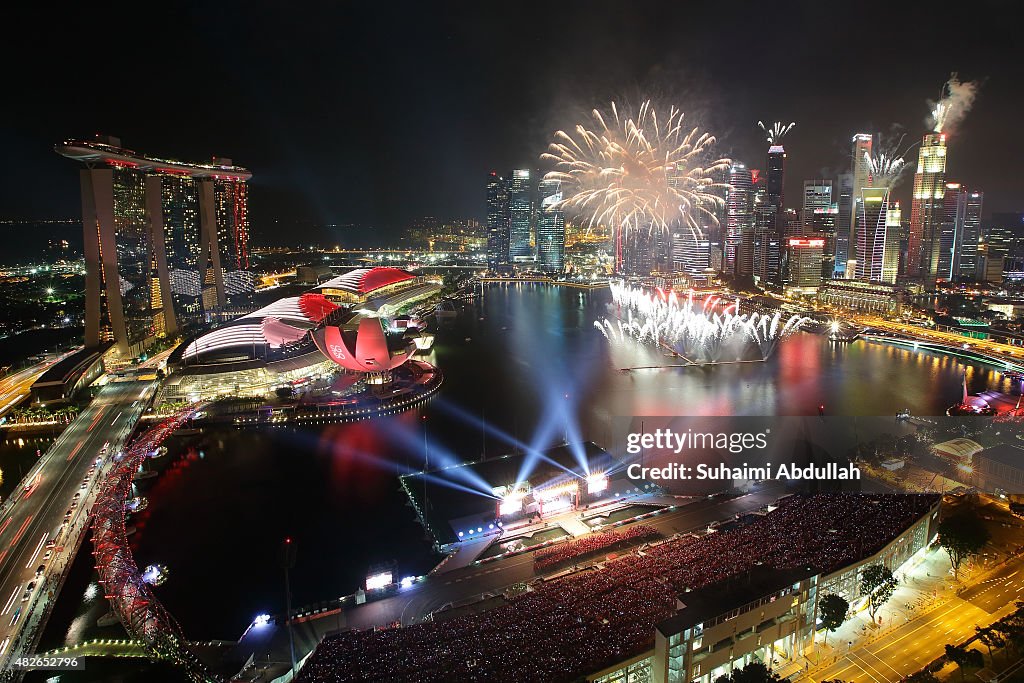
(952, 107)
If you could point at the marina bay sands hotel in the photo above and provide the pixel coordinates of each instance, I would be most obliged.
(166, 242)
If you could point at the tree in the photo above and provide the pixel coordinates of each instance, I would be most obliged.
(832, 610)
(962, 657)
(923, 676)
(878, 584)
(962, 535)
(990, 638)
(755, 672)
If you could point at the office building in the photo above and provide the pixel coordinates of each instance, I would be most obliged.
(877, 236)
(861, 170)
(497, 222)
(133, 208)
(824, 222)
(844, 222)
(927, 210)
(967, 262)
(802, 259)
(691, 254)
(817, 195)
(775, 176)
(522, 202)
(739, 222)
(550, 228)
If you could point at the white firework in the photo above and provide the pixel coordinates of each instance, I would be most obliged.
(692, 330)
(637, 172)
(776, 132)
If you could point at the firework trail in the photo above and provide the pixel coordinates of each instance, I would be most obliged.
(953, 105)
(777, 131)
(695, 332)
(637, 172)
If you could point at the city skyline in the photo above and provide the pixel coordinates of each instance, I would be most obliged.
(316, 171)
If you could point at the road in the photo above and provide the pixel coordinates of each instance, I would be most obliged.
(61, 482)
(15, 387)
(912, 646)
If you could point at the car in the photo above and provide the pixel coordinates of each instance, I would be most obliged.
(47, 555)
(76, 496)
(68, 513)
(51, 543)
(74, 504)
(28, 591)
(17, 615)
(39, 570)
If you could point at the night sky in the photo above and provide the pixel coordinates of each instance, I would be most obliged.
(350, 114)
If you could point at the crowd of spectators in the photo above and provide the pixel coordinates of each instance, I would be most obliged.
(591, 620)
(600, 541)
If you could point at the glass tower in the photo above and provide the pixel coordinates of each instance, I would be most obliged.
(927, 209)
(550, 229)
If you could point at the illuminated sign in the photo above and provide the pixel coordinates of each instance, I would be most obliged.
(801, 242)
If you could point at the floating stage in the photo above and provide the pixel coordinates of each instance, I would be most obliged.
(493, 500)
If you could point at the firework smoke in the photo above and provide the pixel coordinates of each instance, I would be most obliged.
(642, 172)
(777, 131)
(693, 329)
(953, 105)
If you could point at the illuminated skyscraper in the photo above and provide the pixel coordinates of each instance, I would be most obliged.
(739, 222)
(967, 264)
(927, 208)
(550, 229)
(817, 195)
(878, 236)
(954, 206)
(802, 264)
(776, 176)
(823, 225)
(497, 222)
(861, 169)
(136, 208)
(522, 202)
(844, 222)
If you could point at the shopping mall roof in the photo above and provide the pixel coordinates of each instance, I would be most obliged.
(367, 280)
(960, 448)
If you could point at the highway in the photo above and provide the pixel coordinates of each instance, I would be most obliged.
(15, 387)
(42, 523)
(909, 648)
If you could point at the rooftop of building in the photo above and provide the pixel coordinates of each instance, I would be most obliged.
(705, 604)
(1005, 454)
(367, 280)
(108, 151)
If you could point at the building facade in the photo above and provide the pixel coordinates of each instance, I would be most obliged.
(878, 241)
(522, 203)
(550, 228)
(738, 258)
(817, 195)
(927, 210)
(497, 222)
(861, 171)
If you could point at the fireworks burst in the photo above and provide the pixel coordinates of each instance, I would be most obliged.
(642, 172)
(888, 162)
(777, 131)
(694, 330)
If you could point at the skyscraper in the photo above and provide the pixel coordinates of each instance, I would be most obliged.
(550, 229)
(823, 225)
(968, 264)
(739, 222)
(878, 242)
(802, 265)
(951, 232)
(133, 206)
(776, 175)
(844, 222)
(861, 168)
(817, 195)
(691, 254)
(522, 202)
(497, 222)
(926, 209)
